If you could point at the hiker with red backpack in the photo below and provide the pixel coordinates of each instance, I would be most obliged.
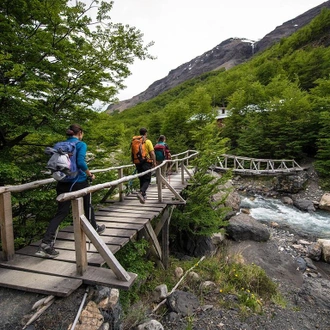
(162, 152)
(143, 156)
(69, 183)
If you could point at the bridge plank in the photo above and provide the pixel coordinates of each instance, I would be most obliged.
(107, 218)
(134, 204)
(130, 233)
(93, 275)
(133, 201)
(93, 257)
(38, 283)
(69, 245)
(110, 240)
(133, 211)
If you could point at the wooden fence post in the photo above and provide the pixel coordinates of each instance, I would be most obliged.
(159, 184)
(120, 186)
(182, 171)
(6, 225)
(79, 235)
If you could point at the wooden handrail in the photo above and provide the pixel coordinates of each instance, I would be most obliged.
(97, 187)
(81, 225)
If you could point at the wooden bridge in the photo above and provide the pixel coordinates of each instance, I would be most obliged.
(82, 251)
(255, 166)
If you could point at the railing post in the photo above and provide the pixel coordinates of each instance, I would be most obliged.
(159, 184)
(182, 171)
(79, 236)
(6, 226)
(120, 186)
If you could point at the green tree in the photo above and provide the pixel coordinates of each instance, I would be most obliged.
(321, 98)
(56, 62)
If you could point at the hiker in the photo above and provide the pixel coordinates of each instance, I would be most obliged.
(46, 248)
(162, 152)
(145, 163)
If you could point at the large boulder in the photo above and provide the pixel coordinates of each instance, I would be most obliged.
(304, 205)
(229, 197)
(243, 227)
(325, 202)
(291, 183)
(325, 246)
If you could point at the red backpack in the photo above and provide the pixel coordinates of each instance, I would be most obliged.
(162, 151)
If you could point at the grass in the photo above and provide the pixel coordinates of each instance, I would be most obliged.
(231, 277)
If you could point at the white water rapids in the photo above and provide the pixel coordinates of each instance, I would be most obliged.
(267, 210)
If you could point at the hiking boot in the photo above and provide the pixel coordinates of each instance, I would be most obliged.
(100, 229)
(141, 198)
(46, 251)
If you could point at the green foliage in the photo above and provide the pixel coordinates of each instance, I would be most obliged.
(133, 258)
(249, 283)
(55, 62)
(201, 215)
(322, 164)
(31, 214)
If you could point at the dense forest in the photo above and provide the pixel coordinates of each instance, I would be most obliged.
(278, 101)
(53, 67)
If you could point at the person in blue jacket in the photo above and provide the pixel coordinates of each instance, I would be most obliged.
(46, 248)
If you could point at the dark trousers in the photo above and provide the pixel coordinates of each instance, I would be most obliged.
(145, 179)
(63, 209)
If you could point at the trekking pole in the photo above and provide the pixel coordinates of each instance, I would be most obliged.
(56, 233)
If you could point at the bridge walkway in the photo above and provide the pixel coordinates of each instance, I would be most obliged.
(125, 220)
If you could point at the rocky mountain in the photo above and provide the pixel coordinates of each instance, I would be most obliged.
(226, 55)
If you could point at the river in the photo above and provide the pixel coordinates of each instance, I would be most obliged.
(268, 210)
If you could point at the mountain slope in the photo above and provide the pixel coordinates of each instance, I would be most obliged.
(227, 54)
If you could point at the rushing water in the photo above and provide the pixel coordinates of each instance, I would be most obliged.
(268, 210)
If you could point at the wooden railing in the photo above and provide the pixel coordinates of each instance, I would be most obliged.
(82, 227)
(245, 165)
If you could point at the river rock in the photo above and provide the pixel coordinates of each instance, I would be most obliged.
(304, 205)
(325, 243)
(314, 251)
(183, 303)
(230, 197)
(243, 227)
(287, 200)
(316, 292)
(151, 325)
(291, 183)
(325, 202)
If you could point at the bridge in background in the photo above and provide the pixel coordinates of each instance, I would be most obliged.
(83, 253)
(255, 166)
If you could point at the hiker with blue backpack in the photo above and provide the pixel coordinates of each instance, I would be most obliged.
(77, 179)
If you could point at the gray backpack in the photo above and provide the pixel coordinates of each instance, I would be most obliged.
(63, 160)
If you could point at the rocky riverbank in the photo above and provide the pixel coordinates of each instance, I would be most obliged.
(305, 287)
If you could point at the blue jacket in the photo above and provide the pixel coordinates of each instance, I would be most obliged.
(81, 160)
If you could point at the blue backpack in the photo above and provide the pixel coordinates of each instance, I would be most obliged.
(63, 160)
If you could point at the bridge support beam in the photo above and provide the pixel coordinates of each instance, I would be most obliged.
(6, 226)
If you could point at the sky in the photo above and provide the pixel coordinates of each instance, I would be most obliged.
(185, 29)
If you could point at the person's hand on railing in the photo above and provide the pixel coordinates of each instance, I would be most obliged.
(91, 177)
